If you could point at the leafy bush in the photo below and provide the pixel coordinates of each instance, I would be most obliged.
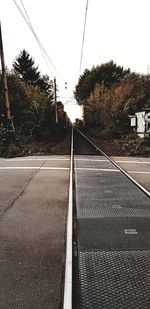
(138, 146)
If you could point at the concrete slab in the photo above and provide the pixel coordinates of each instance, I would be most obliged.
(138, 168)
(32, 230)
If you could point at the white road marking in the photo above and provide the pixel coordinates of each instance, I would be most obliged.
(130, 231)
(32, 168)
(55, 168)
(108, 191)
(38, 159)
(97, 160)
(138, 172)
(117, 206)
(19, 167)
(97, 169)
(134, 162)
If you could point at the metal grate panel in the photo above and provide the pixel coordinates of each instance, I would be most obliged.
(114, 279)
(97, 211)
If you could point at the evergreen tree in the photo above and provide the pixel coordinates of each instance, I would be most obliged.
(46, 85)
(25, 67)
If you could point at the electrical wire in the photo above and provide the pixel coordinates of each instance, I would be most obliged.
(43, 50)
(84, 28)
(36, 37)
(46, 57)
(69, 100)
(27, 20)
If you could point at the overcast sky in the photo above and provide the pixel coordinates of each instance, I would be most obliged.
(116, 30)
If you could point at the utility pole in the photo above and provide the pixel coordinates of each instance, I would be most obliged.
(4, 77)
(55, 101)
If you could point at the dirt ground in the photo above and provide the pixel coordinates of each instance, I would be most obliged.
(61, 146)
(112, 147)
(57, 146)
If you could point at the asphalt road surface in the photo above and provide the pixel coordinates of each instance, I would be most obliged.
(33, 208)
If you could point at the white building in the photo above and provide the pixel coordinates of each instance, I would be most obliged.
(141, 122)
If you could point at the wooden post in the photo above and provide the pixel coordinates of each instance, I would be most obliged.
(4, 77)
(55, 101)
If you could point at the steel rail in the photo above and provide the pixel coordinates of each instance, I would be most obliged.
(121, 169)
(67, 301)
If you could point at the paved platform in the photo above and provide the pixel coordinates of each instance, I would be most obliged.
(33, 209)
(137, 167)
(113, 228)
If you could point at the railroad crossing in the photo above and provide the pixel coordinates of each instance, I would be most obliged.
(113, 228)
(109, 267)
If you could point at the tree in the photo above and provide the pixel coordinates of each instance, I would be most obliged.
(129, 97)
(138, 98)
(25, 67)
(107, 74)
(93, 107)
(108, 108)
(46, 85)
(31, 108)
(61, 115)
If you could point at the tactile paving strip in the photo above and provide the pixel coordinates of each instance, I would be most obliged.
(114, 279)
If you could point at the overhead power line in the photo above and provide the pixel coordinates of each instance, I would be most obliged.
(32, 30)
(69, 100)
(43, 50)
(84, 28)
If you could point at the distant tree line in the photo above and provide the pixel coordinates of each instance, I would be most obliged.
(31, 99)
(108, 94)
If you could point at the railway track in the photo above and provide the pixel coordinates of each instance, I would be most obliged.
(111, 241)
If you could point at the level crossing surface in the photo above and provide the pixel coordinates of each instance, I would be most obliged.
(113, 235)
(137, 167)
(33, 210)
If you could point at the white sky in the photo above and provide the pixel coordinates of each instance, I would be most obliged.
(116, 30)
